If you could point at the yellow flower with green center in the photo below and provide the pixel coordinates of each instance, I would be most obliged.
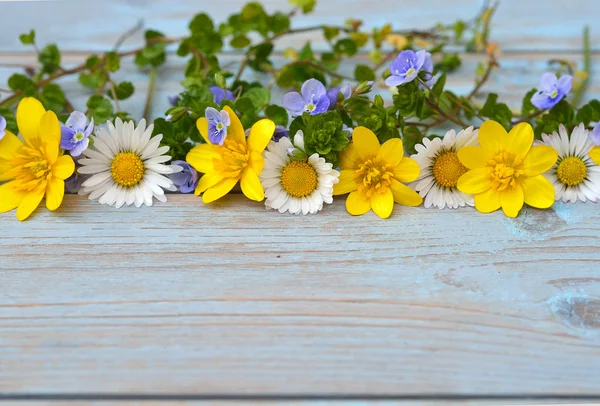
(239, 159)
(506, 171)
(373, 174)
(34, 167)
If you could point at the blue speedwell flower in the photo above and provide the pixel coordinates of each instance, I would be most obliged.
(218, 121)
(220, 94)
(311, 99)
(2, 127)
(407, 66)
(552, 90)
(75, 133)
(187, 179)
(280, 132)
(333, 93)
(173, 100)
(595, 135)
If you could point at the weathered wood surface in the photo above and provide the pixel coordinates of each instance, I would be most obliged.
(185, 299)
(179, 298)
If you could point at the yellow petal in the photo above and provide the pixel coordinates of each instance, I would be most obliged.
(538, 192)
(404, 195)
(251, 186)
(202, 126)
(358, 203)
(383, 203)
(539, 159)
(29, 115)
(472, 157)
(512, 201)
(349, 158)
(257, 162)
(206, 181)
(10, 197)
(235, 131)
(407, 170)
(5, 166)
(488, 201)
(29, 203)
(520, 139)
(9, 145)
(392, 151)
(63, 167)
(492, 137)
(219, 190)
(346, 184)
(55, 191)
(475, 181)
(595, 155)
(201, 157)
(366, 143)
(260, 135)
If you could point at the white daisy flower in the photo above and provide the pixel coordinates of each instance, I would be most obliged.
(297, 186)
(126, 166)
(574, 176)
(441, 168)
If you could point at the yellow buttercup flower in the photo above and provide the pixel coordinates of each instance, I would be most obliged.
(373, 175)
(506, 171)
(34, 168)
(595, 154)
(238, 159)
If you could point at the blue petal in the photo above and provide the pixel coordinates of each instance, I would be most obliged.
(312, 90)
(542, 100)
(66, 135)
(346, 90)
(173, 100)
(548, 82)
(215, 136)
(80, 147)
(89, 129)
(395, 80)
(565, 83)
(403, 62)
(595, 135)
(332, 94)
(212, 115)
(2, 127)
(225, 118)
(77, 121)
(420, 59)
(321, 105)
(294, 103)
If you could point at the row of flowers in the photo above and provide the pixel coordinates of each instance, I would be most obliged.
(123, 164)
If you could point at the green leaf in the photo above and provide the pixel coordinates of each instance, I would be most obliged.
(260, 96)
(123, 90)
(252, 10)
(23, 83)
(201, 23)
(363, 73)
(240, 41)
(92, 80)
(50, 58)
(100, 107)
(438, 87)
(280, 23)
(306, 5)
(526, 107)
(306, 53)
(595, 105)
(153, 53)
(92, 62)
(28, 39)
(449, 63)
(278, 114)
(11, 121)
(258, 56)
(245, 104)
(345, 46)
(112, 61)
(330, 32)
(584, 114)
(53, 98)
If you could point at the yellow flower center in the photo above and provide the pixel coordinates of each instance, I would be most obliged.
(299, 179)
(232, 160)
(127, 169)
(571, 171)
(374, 176)
(507, 168)
(447, 169)
(30, 168)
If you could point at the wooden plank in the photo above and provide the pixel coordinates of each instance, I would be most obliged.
(182, 298)
(518, 73)
(519, 25)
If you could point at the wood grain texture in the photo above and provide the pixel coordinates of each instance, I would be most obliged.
(518, 25)
(182, 298)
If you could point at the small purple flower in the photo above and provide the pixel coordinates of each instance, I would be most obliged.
(218, 121)
(311, 99)
(280, 132)
(75, 133)
(349, 129)
(220, 94)
(595, 135)
(173, 100)
(428, 67)
(406, 67)
(187, 179)
(552, 90)
(2, 127)
(332, 94)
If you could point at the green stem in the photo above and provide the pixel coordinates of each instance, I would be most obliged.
(586, 66)
(151, 86)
